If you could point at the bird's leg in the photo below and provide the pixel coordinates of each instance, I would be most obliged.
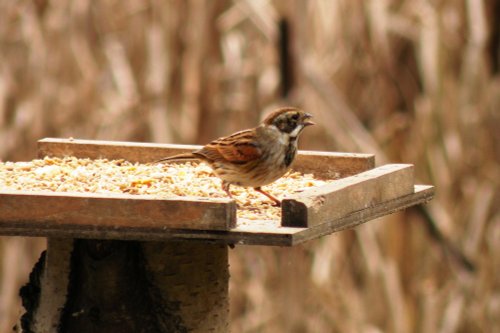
(225, 187)
(270, 196)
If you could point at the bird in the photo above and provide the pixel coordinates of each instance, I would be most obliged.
(257, 156)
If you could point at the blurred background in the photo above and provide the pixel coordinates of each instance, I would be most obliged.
(413, 81)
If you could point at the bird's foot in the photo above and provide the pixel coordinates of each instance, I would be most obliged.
(276, 201)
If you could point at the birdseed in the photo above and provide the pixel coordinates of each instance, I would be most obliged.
(164, 180)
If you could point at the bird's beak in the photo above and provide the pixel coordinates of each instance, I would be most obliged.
(308, 121)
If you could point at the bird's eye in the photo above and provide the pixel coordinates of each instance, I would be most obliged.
(295, 116)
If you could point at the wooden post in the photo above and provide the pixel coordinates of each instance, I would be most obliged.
(127, 286)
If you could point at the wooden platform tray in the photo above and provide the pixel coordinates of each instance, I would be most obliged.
(363, 193)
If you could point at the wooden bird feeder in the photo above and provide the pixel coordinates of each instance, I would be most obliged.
(134, 263)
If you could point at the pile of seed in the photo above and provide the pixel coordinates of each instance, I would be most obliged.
(71, 174)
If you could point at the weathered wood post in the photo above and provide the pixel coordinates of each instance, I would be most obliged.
(132, 263)
(127, 286)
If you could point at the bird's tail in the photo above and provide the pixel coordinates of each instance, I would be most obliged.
(179, 157)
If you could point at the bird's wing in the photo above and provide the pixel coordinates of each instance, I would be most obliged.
(239, 147)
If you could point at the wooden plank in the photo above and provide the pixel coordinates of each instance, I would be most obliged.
(421, 195)
(241, 236)
(347, 195)
(245, 235)
(325, 165)
(332, 165)
(39, 209)
(131, 151)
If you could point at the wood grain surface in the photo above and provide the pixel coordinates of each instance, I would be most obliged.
(323, 164)
(115, 210)
(347, 195)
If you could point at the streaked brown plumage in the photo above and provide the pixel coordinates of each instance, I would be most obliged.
(254, 157)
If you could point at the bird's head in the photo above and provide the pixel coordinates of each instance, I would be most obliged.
(289, 120)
